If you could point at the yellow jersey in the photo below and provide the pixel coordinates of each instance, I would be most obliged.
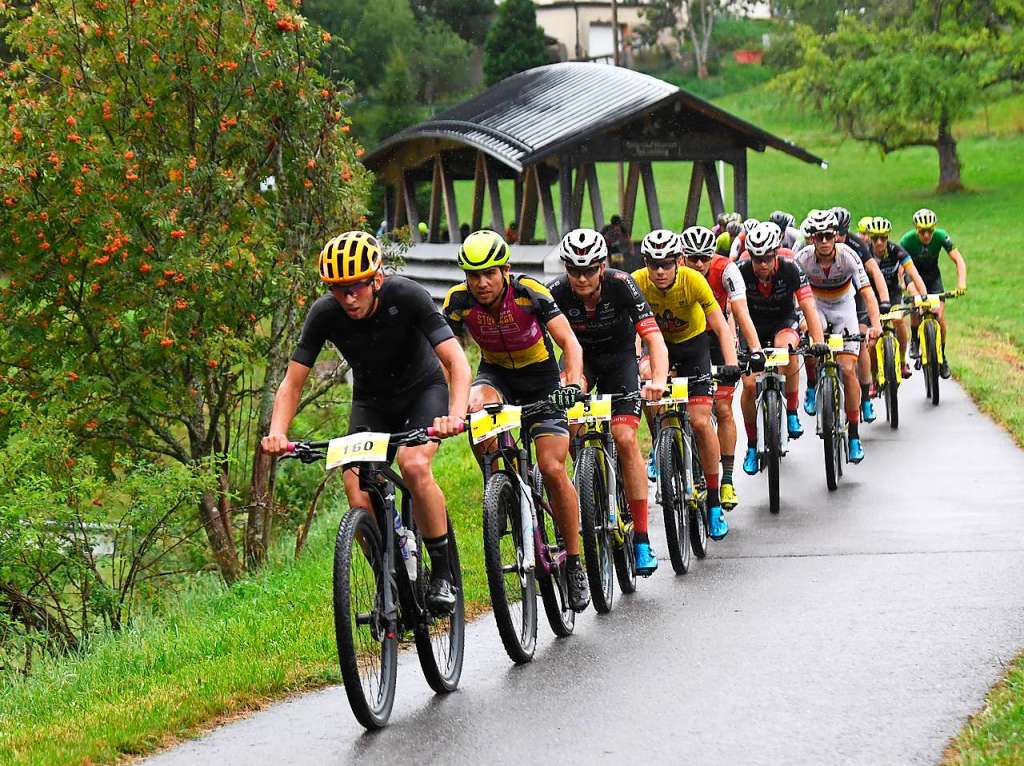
(681, 310)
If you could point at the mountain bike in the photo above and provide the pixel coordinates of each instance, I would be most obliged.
(772, 435)
(681, 487)
(929, 334)
(381, 577)
(523, 549)
(889, 364)
(829, 395)
(605, 521)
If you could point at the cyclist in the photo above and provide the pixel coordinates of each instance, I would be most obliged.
(727, 285)
(684, 306)
(607, 312)
(836, 274)
(513, 319)
(792, 237)
(924, 243)
(775, 286)
(893, 259)
(862, 247)
(738, 241)
(391, 334)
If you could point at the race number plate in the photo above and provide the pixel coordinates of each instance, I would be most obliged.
(362, 447)
(776, 357)
(677, 393)
(836, 342)
(595, 410)
(483, 425)
(892, 316)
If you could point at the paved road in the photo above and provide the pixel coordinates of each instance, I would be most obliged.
(858, 627)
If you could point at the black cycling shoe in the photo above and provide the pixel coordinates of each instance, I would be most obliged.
(441, 596)
(944, 370)
(579, 590)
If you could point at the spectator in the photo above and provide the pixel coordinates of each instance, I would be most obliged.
(512, 233)
(464, 231)
(619, 246)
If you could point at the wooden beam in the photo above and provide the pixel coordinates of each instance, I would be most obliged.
(651, 195)
(632, 187)
(739, 183)
(714, 189)
(547, 204)
(411, 210)
(594, 187)
(494, 193)
(565, 196)
(528, 207)
(434, 215)
(693, 195)
(577, 196)
(517, 188)
(451, 209)
(477, 218)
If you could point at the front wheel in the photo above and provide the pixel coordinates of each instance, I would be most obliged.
(931, 369)
(671, 476)
(773, 445)
(441, 640)
(827, 413)
(697, 503)
(554, 586)
(597, 541)
(892, 382)
(367, 640)
(511, 584)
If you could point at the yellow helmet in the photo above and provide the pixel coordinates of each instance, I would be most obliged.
(862, 224)
(879, 227)
(350, 257)
(925, 219)
(483, 250)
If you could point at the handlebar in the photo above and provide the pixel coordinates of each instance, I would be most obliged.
(312, 451)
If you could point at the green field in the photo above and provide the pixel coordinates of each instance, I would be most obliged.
(227, 650)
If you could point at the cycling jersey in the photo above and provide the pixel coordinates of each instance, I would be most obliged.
(390, 351)
(517, 338)
(771, 304)
(612, 325)
(725, 281)
(890, 263)
(926, 258)
(793, 238)
(681, 310)
(840, 279)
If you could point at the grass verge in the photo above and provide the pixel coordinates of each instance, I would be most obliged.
(996, 734)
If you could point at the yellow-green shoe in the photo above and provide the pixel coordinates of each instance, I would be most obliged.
(727, 493)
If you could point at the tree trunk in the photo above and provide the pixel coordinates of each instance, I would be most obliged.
(949, 160)
(221, 542)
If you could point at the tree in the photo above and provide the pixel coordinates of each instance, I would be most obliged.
(439, 62)
(397, 96)
(691, 21)
(468, 18)
(907, 84)
(156, 275)
(514, 43)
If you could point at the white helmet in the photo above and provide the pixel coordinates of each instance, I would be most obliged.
(749, 224)
(764, 237)
(582, 248)
(820, 221)
(661, 244)
(925, 219)
(698, 240)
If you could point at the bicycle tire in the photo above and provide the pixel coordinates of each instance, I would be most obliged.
(441, 642)
(624, 555)
(516, 620)
(554, 591)
(361, 634)
(932, 368)
(673, 498)
(597, 542)
(826, 411)
(773, 446)
(697, 507)
(892, 382)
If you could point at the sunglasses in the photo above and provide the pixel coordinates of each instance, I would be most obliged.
(879, 237)
(666, 265)
(923, 229)
(701, 258)
(763, 260)
(582, 271)
(826, 236)
(352, 289)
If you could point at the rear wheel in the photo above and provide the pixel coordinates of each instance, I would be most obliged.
(367, 644)
(696, 505)
(827, 411)
(441, 640)
(554, 587)
(671, 475)
(597, 540)
(931, 369)
(892, 381)
(512, 587)
(773, 445)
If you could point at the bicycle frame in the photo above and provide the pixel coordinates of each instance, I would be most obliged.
(928, 309)
(597, 433)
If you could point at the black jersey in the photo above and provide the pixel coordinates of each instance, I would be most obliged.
(390, 351)
(611, 328)
(772, 303)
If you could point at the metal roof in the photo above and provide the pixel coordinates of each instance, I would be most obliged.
(541, 111)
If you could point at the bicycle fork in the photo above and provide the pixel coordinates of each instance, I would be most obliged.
(939, 354)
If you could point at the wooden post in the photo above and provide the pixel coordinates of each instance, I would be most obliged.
(714, 188)
(629, 203)
(594, 187)
(548, 206)
(651, 195)
(397, 209)
(739, 183)
(451, 210)
(528, 208)
(577, 196)
(411, 210)
(434, 216)
(494, 193)
(477, 218)
(517, 189)
(565, 195)
(693, 196)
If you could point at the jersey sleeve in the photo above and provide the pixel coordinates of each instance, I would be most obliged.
(312, 338)
(946, 243)
(860, 274)
(735, 287)
(544, 306)
(902, 255)
(451, 312)
(427, 318)
(796, 281)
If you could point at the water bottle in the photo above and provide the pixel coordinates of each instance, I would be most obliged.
(406, 546)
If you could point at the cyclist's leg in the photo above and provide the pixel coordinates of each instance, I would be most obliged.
(726, 430)
(488, 388)
(864, 360)
(903, 336)
(552, 450)
(365, 415)
(787, 337)
(588, 376)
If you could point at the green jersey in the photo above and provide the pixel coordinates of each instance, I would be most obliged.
(926, 258)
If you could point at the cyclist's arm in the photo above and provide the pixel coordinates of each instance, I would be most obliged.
(813, 321)
(872, 306)
(456, 367)
(572, 352)
(726, 340)
(961, 268)
(877, 278)
(916, 283)
(658, 351)
(746, 324)
(286, 402)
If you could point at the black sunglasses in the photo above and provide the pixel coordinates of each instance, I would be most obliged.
(667, 265)
(353, 288)
(582, 271)
(701, 258)
(764, 259)
(824, 236)
(879, 237)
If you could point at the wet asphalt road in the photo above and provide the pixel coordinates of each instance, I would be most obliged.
(861, 626)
